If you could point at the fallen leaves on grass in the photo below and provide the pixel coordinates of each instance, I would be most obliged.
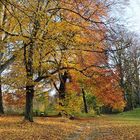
(13, 128)
(102, 128)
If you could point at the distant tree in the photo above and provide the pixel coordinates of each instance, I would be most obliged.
(126, 60)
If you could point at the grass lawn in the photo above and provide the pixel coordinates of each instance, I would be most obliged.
(123, 126)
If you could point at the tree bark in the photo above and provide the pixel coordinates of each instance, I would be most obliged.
(84, 100)
(28, 59)
(1, 100)
(62, 88)
(62, 93)
(137, 83)
(29, 103)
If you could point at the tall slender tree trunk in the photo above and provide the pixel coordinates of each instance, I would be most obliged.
(138, 83)
(28, 59)
(132, 104)
(139, 95)
(84, 100)
(1, 100)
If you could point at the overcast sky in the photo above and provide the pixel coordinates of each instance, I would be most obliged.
(132, 15)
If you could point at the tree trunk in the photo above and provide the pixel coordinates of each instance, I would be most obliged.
(139, 95)
(1, 100)
(28, 59)
(138, 84)
(132, 104)
(62, 88)
(29, 103)
(62, 93)
(84, 100)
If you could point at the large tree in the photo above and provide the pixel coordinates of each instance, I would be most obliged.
(48, 29)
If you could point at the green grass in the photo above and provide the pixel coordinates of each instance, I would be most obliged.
(84, 115)
(129, 115)
(133, 115)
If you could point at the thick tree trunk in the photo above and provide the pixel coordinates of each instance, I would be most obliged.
(1, 100)
(29, 103)
(28, 59)
(62, 93)
(62, 88)
(84, 100)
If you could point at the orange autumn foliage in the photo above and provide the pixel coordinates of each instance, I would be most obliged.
(104, 85)
(91, 59)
